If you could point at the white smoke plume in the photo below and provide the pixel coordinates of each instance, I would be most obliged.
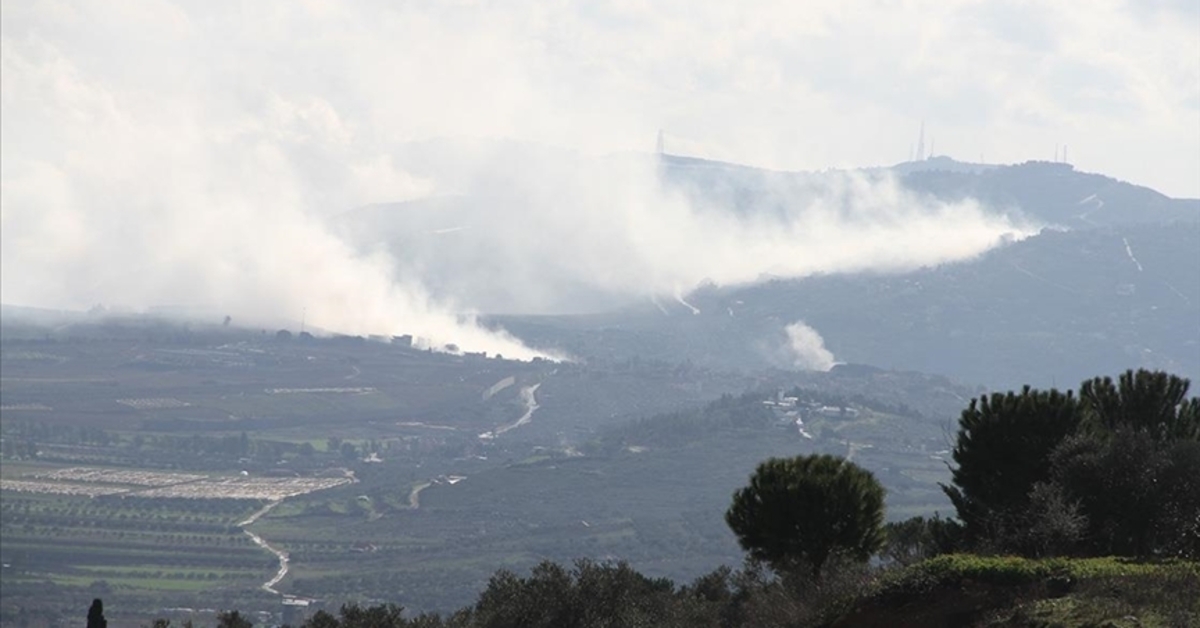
(201, 154)
(807, 348)
(141, 201)
(557, 232)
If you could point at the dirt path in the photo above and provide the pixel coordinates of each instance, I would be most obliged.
(414, 497)
(268, 586)
(531, 405)
(261, 511)
(679, 297)
(1129, 252)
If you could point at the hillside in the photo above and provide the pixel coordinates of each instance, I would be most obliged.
(1053, 193)
(134, 451)
(1110, 281)
(1049, 193)
(1104, 298)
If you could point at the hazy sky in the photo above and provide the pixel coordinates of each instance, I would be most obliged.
(187, 152)
(793, 85)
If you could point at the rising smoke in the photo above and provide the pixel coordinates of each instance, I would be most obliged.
(139, 201)
(629, 227)
(201, 155)
(807, 348)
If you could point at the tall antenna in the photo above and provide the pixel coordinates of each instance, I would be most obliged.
(303, 316)
(921, 143)
(1065, 154)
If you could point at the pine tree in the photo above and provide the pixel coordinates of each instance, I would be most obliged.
(1002, 450)
(802, 510)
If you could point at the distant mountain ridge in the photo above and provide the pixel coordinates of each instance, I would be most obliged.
(1114, 284)
(1053, 193)
(1056, 193)
(451, 239)
(1051, 309)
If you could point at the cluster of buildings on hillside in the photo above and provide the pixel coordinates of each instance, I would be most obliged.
(793, 411)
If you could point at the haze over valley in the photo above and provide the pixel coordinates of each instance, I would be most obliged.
(307, 303)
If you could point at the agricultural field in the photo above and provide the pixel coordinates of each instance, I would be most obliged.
(180, 471)
(59, 549)
(657, 501)
(93, 482)
(137, 535)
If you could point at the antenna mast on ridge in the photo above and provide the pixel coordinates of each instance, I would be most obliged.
(921, 143)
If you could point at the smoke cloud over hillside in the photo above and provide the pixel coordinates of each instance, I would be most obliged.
(808, 348)
(206, 155)
(138, 199)
(548, 231)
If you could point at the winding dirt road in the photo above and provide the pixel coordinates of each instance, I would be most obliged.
(268, 586)
(531, 405)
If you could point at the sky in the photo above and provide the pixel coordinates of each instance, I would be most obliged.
(164, 153)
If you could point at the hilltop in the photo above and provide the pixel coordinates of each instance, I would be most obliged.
(1110, 280)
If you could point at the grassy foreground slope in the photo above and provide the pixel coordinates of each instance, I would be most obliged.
(971, 590)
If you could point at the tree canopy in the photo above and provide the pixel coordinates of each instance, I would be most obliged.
(1114, 471)
(800, 511)
(1003, 448)
(1151, 401)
